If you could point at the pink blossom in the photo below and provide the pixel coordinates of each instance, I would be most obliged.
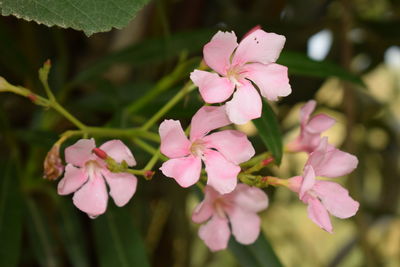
(324, 196)
(237, 66)
(310, 129)
(86, 174)
(221, 152)
(239, 208)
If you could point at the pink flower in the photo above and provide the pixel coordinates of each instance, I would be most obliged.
(239, 208)
(324, 196)
(221, 152)
(310, 129)
(237, 65)
(86, 173)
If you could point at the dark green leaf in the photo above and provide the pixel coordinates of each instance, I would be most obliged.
(268, 129)
(300, 64)
(10, 216)
(72, 234)
(117, 240)
(258, 254)
(149, 51)
(90, 16)
(41, 240)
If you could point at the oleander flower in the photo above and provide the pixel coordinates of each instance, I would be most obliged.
(238, 66)
(86, 176)
(325, 196)
(221, 152)
(310, 129)
(238, 208)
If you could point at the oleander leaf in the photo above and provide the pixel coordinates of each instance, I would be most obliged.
(90, 16)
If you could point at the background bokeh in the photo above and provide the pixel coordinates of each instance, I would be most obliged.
(98, 77)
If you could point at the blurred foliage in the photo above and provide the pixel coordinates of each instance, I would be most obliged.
(99, 78)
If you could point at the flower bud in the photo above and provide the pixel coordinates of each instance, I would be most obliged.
(53, 166)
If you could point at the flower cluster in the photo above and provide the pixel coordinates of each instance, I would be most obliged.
(244, 70)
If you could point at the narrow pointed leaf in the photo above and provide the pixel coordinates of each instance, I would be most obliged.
(268, 129)
(117, 240)
(41, 240)
(258, 254)
(300, 64)
(72, 234)
(10, 216)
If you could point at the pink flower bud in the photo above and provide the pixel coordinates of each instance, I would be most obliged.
(100, 153)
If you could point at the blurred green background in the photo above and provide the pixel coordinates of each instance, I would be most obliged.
(97, 78)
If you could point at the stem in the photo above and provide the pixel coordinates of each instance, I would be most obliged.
(189, 86)
(256, 160)
(153, 160)
(67, 115)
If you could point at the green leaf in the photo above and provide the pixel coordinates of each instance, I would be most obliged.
(258, 254)
(41, 240)
(300, 64)
(10, 216)
(147, 52)
(72, 234)
(268, 129)
(117, 240)
(90, 16)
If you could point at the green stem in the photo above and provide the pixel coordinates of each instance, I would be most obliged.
(67, 115)
(255, 160)
(184, 91)
(153, 160)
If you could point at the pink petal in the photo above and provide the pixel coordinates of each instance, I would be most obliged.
(295, 183)
(245, 105)
(259, 46)
(80, 152)
(306, 111)
(174, 143)
(186, 171)
(73, 179)
(320, 123)
(232, 144)
(318, 214)
(271, 79)
(218, 51)
(222, 174)
(206, 119)
(215, 233)
(336, 199)
(317, 157)
(245, 225)
(119, 152)
(250, 198)
(92, 197)
(122, 186)
(308, 181)
(205, 209)
(336, 163)
(213, 89)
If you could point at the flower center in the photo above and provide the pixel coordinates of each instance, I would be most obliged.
(197, 148)
(219, 207)
(235, 75)
(92, 167)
